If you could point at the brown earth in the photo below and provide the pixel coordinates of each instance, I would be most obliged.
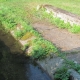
(64, 40)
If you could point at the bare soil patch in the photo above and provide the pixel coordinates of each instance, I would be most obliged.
(63, 39)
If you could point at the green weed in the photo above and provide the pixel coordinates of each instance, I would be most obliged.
(75, 29)
(18, 34)
(16, 20)
(41, 48)
(58, 22)
(62, 73)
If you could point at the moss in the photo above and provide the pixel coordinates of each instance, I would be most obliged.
(26, 36)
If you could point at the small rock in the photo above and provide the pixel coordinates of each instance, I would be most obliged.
(57, 64)
(75, 62)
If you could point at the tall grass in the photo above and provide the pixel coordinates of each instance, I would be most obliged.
(69, 5)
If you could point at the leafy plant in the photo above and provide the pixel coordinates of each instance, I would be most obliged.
(38, 52)
(75, 29)
(62, 74)
(18, 34)
(41, 48)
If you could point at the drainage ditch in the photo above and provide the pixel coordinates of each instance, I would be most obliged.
(14, 65)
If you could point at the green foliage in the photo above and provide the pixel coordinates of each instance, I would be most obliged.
(75, 29)
(58, 22)
(13, 12)
(38, 52)
(41, 48)
(62, 74)
(26, 36)
(7, 18)
(18, 34)
(14, 18)
(72, 65)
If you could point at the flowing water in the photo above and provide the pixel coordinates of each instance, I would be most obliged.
(14, 65)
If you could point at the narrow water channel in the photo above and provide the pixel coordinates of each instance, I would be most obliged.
(13, 64)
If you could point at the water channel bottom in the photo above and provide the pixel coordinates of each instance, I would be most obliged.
(14, 65)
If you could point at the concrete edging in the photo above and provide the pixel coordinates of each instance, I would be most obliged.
(62, 14)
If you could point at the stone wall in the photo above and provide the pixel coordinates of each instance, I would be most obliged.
(63, 15)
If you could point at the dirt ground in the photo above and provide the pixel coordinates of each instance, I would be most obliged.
(64, 40)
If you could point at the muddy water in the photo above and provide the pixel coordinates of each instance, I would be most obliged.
(13, 63)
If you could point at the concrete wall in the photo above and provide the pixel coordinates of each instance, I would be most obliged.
(63, 15)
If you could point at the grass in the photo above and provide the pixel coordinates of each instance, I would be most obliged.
(62, 73)
(23, 12)
(57, 21)
(26, 8)
(15, 18)
(69, 5)
(43, 47)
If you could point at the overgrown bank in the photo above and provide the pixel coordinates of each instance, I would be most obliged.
(14, 20)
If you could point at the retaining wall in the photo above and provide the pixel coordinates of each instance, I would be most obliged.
(63, 15)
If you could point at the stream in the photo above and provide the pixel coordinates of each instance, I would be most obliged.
(14, 65)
